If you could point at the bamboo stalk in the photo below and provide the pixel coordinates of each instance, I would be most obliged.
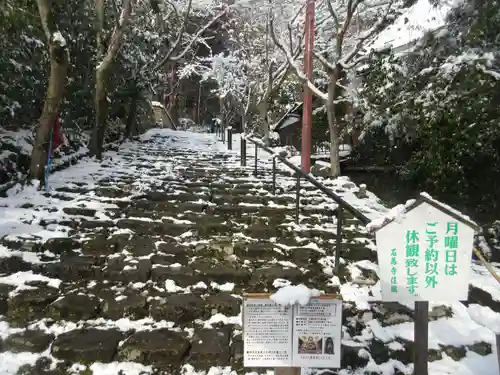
(488, 266)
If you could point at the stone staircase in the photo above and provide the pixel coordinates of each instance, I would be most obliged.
(144, 259)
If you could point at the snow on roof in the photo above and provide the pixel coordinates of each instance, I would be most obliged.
(413, 24)
(293, 119)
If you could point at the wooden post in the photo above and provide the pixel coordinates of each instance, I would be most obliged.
(338, 245)
(243, 150)
(274, 175)
(297, 200)
(498, 351)
(421, 338)
(255, 166)
(229, 138)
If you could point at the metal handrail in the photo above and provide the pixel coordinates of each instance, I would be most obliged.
(337, 198)
(421, 307)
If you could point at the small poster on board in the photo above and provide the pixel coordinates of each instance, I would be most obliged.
(298, 336)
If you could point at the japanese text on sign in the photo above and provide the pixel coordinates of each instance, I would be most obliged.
(302, 336)
(411, 261)
(431, 256)
(426, 255)
(451, 246)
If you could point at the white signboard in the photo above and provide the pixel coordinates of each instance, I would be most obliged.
(302, 336)
(425, 256)
(317, 332)
(267, 333)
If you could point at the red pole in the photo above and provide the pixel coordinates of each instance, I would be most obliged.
(307, 107)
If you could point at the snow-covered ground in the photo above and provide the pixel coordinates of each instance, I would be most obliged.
(152, 249)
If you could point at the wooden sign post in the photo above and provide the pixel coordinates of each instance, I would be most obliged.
(291, 337)
(425, 255)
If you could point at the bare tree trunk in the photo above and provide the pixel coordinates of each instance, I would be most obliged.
(101, 111)
(264, 123)
(333, 126)
(221, 116)
(59, 60)
(101, 46)
(103, 71)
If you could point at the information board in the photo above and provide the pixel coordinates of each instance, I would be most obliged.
(292, 336)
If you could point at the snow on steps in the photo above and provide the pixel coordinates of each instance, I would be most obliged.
(140, 262)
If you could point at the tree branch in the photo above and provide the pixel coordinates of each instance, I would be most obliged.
(169, 57)
(99, 5)
(302, 77)
(333, 13)
(247, 106)
(116, 36)
(368, 34)
(351, 6)
(179, 34)
(117, 11)
(324, 61)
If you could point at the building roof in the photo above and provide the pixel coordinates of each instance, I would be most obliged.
(292, 116)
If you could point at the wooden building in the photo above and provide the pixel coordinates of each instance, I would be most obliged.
(162, 117)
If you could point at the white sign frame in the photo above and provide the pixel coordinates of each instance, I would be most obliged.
(429, 245)
(319, 320)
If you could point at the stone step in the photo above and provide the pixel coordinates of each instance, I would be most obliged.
(188, 233)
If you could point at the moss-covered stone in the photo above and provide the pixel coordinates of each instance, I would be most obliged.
(87, 345)
(162, 348)
(29, 304)
(74, 307)
(223, 303)
(179, 308)
(210, 347)
(28, 341)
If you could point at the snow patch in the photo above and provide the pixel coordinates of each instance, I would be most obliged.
(292, 294)
(396, 213)
(58, 38)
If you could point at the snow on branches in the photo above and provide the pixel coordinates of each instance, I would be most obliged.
(231, 74)
(251, 69)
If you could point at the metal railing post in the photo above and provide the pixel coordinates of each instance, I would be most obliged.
(338, 245)
(255, 165)
(229, 138)
(297, 200)
(310, 178)
(243, 151)
(223, 135)
(274, 176)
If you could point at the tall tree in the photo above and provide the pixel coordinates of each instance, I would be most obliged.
(59, 61)
(106, 57)
(342, 29)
